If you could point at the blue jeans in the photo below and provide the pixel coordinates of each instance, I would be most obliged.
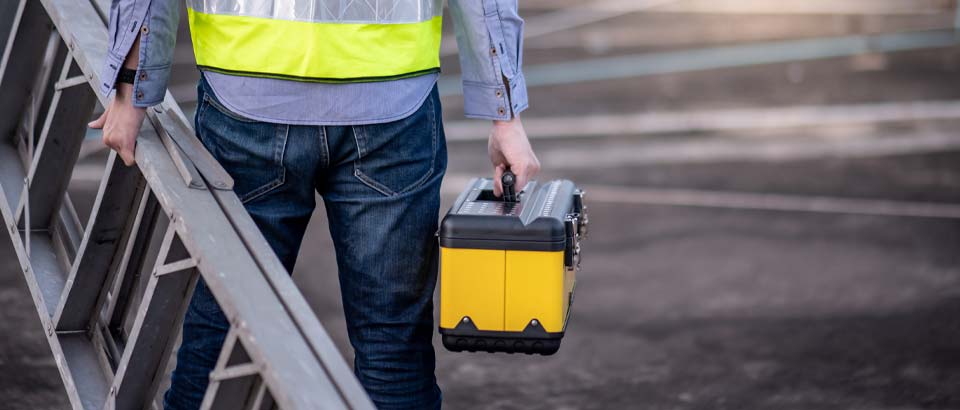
(381, 188)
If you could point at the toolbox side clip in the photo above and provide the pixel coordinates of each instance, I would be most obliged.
(576, 229)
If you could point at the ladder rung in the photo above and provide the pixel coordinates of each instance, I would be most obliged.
(71, 82)
(235, 371)
(178, 266)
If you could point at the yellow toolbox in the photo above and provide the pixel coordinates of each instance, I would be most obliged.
(508, 266)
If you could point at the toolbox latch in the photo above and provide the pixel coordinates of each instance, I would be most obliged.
(575, 225)
(571, 253)
(580, 208)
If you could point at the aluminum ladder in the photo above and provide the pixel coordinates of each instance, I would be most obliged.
(111, 291)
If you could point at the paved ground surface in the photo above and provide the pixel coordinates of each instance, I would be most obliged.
(699, 307)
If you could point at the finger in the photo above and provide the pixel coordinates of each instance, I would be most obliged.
(497, 184)
(98, 123)
(522, 176)
(531, 172)
(129, 152)
(127, 155)
(533, 169)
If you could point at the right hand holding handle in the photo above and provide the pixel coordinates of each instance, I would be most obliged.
(510, 149)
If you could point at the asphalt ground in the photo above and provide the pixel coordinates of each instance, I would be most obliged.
(697, 307)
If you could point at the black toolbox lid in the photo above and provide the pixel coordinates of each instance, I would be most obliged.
(479, 220)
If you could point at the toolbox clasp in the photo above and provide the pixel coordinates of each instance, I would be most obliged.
(575, 224)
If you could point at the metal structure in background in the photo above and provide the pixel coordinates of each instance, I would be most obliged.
(737, 55)
(111, 291)
(956, 17)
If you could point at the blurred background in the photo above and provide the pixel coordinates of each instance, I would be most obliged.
(774, 191)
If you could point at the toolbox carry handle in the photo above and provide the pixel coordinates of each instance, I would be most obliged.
(509, 180)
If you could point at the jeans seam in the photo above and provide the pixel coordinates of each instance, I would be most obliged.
(361, 142)
(324, 147)
(370, 182)
(201, 109)
(279, 150)
(431, 114)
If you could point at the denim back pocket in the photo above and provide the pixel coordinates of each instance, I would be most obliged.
(399, 156)
(251, 151)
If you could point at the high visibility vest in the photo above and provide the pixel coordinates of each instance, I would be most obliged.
(317, 40)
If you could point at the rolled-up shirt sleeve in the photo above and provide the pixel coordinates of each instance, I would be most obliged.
(490, 41)
(155, 21)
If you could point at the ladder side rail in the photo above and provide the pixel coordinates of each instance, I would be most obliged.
(291, 369)
(296, 305)
(144, 149)
(8, 14)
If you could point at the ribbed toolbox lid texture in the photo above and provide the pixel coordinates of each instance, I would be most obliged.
(478, 220)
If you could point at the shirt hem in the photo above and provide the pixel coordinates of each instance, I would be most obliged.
(351, 121)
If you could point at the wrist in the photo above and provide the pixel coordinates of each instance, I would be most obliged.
(124, 91)
(507, 123)
(125, 96)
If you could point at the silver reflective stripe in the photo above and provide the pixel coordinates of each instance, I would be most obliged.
(326, 11)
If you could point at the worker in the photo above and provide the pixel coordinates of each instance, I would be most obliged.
(338, 98)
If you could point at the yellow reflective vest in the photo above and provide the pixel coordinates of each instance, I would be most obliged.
(317, 40)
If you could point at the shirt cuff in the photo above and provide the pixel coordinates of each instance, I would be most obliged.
(492, 102)
(108, 75)
(149, 86)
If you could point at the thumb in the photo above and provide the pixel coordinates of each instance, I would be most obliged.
(98, 123)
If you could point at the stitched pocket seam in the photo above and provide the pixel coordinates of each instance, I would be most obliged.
(279, 150)
(383, 189)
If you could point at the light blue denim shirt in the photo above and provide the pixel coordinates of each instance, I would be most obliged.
(294, 102)
(489, 37)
